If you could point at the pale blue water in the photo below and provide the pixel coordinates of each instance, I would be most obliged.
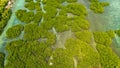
(112, 16)
(19, 4)
(110, 20)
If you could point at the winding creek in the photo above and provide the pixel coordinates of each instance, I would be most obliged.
(19, 4)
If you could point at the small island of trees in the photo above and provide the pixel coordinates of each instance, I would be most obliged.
(98, 7)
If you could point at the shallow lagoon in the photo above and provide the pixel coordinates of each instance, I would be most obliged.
(110, 20)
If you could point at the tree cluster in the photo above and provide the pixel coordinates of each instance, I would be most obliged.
(30, 54)
(4, 15)
(31, 5)
(85, 55)
(84, 36)
(24, 16)
(28, 17)
(117, 32)
(76, 9)
(111, 33)
(102, 38)
(14, 31)
(36, 49)
(35, 32)
(71, 1)
(108, 58)
(2, 58)
(98, 7)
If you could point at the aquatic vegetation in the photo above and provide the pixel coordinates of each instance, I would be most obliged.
(31, 32)
(37, 6)
(2, 6)
(102, 38)
(2, 58)
(98, 7)
(28, 0)
(108, 59)
(84, 54)
(25, 16)
(59, 36)
(117, 32)
(31, 54)
(111, 33)
(42, 34)
(76, 9)
(30, 5)
(14, 31)
(65, 61)
(71, 1)
(4, 15)
(84, 35)
(37, 17)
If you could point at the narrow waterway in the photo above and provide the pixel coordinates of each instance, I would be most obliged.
(19, 4)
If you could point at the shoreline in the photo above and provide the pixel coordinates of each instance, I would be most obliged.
(9, 4)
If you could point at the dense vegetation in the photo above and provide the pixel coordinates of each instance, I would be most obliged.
(98, 7)
(31, 54)
(102, 38)
(117, 32)
(2, 58)
(43, 36)
(108, 59)
(82, 52)
(14, 31)
(4, 14)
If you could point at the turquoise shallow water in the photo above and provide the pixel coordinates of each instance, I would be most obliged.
(19, 4)
(112, 16)
(110, 20)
